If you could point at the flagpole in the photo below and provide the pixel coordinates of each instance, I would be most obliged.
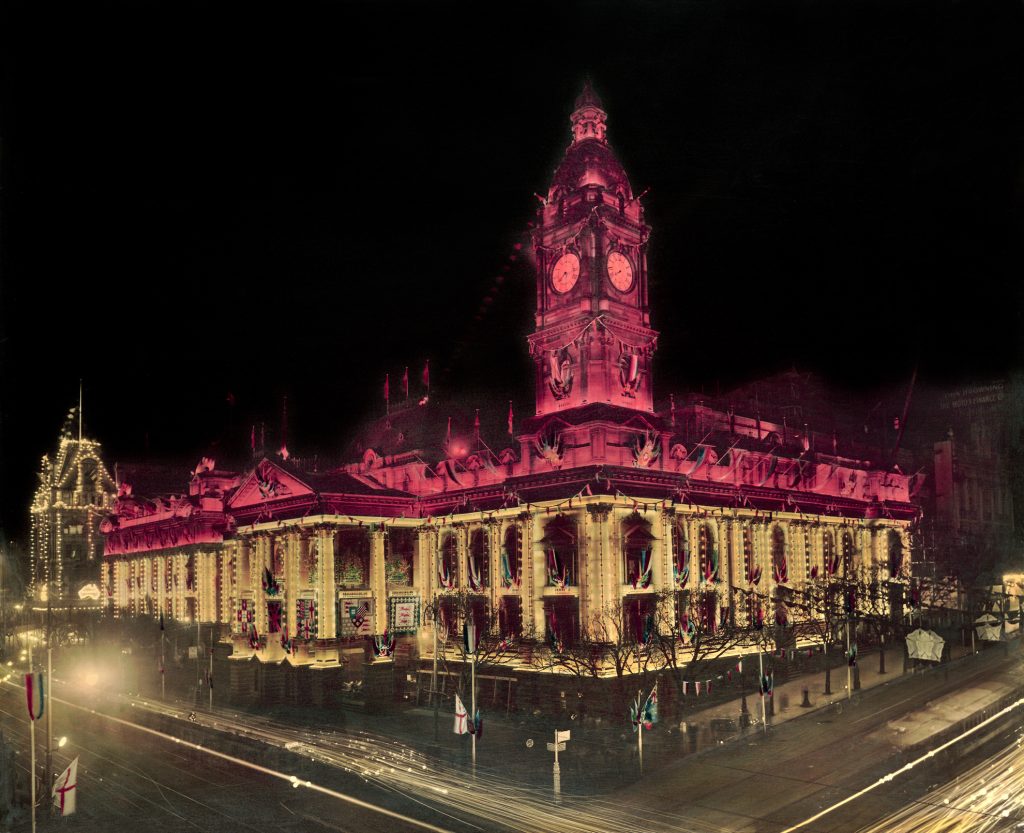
(210, 680)
(472, 716)
(764, 705)
(48, 708)
(32, 745)
(640, 733)
(163, 666)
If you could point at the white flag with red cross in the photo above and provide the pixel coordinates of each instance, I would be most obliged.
(65, 788)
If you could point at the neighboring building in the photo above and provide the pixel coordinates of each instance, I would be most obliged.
(75, 493)
(963, 436)
(596, 500)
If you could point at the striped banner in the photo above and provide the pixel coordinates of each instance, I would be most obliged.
(34, 694)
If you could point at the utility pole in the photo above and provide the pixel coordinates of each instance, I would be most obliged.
(433, 679)
(32, 745)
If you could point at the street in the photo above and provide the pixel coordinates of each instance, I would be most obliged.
(225, 770)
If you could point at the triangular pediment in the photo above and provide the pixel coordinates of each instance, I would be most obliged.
(267, 483)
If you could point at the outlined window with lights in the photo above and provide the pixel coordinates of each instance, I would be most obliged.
(561, 552)
(637, 545)
(511, 558)
(352, 559)
(477, 561)
(448, 561)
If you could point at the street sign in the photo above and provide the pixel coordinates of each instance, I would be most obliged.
(556, 747)
(562, 736)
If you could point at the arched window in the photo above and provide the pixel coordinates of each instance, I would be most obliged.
(511, 557)
(847, 554)
(477, 561)
(352, 559)
(829, 558)
(680, 554)
(448, 561)
(707, 554)
(636, 551)
(561, 551)
(751, 570)
(780, 567)
(895, 554)
(399, 556)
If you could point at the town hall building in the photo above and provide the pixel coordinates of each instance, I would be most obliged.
(599, 500)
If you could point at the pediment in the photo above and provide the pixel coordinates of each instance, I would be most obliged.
(267, 483)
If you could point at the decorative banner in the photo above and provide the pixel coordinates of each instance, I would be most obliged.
(403, 614)
(470, 637)
(305, 619)
(558, 572)
(34, 694)
(476, 583)
(642, 579)
(384, 646)
(355, 617)
(273, 617)
(508, 580)
(245, 616)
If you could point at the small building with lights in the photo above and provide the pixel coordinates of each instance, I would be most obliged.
(599, 500)
(75, 493)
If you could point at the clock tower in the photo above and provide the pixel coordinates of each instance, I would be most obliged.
(593, 342)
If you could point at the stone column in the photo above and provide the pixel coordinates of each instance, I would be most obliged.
(492, 537)
(258, 560)
(600, 521)
(326, 644)
(533, 580)
(378, 579)
(292, 585)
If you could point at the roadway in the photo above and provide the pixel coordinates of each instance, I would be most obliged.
(144, 761)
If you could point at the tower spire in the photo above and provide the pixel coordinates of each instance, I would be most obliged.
(588, 117)
(79, 410)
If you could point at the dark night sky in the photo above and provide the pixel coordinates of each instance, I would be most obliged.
(294, 199)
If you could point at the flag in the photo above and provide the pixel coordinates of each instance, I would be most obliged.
(448, 436)
(478, 725)
(34, 694)
(405, 383)
(476, 424)
(510, 417)
(739, 667)
(64, 789)
(460, 717)
(387, 388)
(426, 375)
(252, 439)
(470, 637)
(652, 705)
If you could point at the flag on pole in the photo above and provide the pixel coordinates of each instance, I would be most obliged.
(34, 694)
(470, 637)
(387, 388)
(510, 417)
(64, 789)
(405, 383)
(460, 717)
(426, 375)
(476, 424)
(652, 705)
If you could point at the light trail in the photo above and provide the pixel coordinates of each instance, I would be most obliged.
(452, 792)
(885, 779)
(988, 797)
(255, 767)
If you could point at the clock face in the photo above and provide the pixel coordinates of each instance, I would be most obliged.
(620, 271)
(565, 272)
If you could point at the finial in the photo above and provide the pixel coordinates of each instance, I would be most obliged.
(588, 118)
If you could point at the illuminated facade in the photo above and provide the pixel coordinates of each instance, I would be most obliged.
(75, 493)
(598, 499)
